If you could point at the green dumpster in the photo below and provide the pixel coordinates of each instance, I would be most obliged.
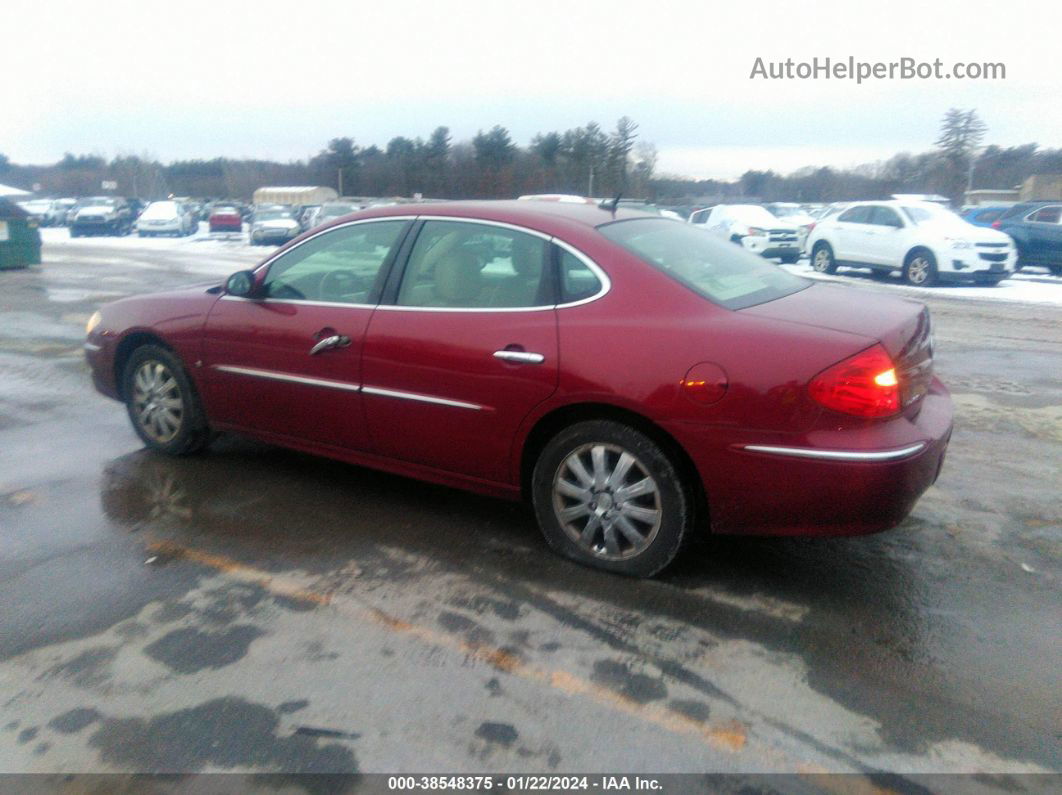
(20, 242)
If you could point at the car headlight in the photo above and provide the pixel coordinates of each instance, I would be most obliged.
(958, 242)
(93, 322)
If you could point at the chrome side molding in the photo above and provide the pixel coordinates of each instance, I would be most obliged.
(836, 455)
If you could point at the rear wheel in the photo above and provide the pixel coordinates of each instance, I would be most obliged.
(607, 496)
(822, 258)
(162, 403)
(920, 269)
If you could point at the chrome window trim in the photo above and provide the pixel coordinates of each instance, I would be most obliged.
(602, 276)
(606, 283)
(394, 393)
(277, 254)
(836, 455)
(1029, 217)
(273, 375)
(300, 301)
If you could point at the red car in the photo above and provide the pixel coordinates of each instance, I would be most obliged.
(225, 219)
(635, 378)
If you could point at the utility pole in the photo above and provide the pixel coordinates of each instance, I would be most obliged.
(339, 171)
(590, 187)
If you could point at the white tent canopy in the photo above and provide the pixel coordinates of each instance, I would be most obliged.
(7, 190)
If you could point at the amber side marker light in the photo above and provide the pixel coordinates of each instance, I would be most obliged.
(864, 385)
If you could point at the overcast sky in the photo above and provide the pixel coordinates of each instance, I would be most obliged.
(189, 79)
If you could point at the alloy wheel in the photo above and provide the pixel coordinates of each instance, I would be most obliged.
(157, 403)
(607, 502)
(822, 260)
(918, 270)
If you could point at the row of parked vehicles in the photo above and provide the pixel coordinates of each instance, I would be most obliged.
(923, 241)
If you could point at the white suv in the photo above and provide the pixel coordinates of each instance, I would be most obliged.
(753, 228)
(924, 241)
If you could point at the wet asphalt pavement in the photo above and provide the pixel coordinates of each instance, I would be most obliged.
(258, 609)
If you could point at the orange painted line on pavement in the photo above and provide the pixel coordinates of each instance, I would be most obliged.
(730, 737)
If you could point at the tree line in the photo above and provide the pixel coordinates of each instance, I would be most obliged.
(584, 160)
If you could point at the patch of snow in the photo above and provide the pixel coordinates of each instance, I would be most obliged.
(1026, 287)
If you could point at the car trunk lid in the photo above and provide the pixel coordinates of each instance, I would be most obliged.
(902, 326)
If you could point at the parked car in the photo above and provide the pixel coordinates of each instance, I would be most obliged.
(924, 241)
(64, 210)
(1036, 228)
(306, 215)
(794, 214)
(329, 211)
(102, 215)
(225, 218)
(637, 380)
(43, 211)
(166, 218)
(752, 228)
(273, 226)
(983, 215)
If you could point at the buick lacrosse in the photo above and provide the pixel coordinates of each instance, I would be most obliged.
(636, 379)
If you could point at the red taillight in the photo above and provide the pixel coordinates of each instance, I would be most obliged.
(864, 385)
(997, 224)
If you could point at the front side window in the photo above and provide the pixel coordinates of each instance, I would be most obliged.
(709, 265)
(1047, 215)
(339, 266)
(856, 215)
(458, 265)
(885, 216)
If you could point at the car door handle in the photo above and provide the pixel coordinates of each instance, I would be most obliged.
(335, 341)
(520, 357)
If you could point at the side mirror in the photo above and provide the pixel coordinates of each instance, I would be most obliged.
(240, 284)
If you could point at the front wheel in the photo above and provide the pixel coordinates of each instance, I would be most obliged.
(607, 496)
(920, 269)
(162, 403)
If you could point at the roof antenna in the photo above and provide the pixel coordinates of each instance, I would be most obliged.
(611, 205)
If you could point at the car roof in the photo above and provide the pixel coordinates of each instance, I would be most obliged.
(542, 215)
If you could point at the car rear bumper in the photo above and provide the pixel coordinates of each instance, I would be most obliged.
(825, 482)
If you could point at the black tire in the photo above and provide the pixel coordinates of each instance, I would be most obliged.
(174, 429)
(920, 268)
(822, 258)
(669, 504)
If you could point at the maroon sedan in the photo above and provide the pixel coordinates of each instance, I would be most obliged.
(635, 378)
(225, 219)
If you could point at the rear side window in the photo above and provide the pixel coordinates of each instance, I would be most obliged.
(856, 215)
(457, 265)
(577, 280)
(709, 265)
(885, 216)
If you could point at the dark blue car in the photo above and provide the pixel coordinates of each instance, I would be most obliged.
(984, 215)
(1037, 231)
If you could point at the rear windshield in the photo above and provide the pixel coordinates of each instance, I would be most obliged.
(715, 268)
